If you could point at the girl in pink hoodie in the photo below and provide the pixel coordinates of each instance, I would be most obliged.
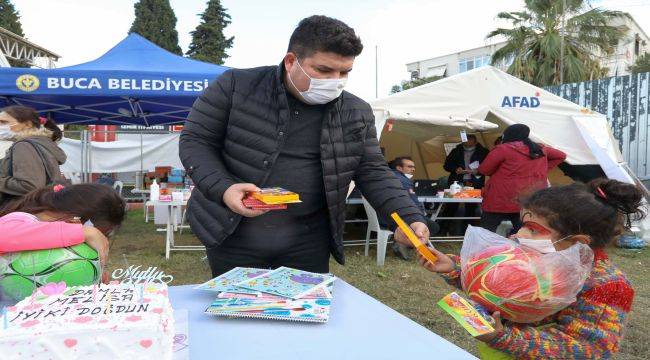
(52, 217)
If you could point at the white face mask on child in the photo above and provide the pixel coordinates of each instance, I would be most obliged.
(544, 246)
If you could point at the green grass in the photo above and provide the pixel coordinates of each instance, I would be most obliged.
(403, 286)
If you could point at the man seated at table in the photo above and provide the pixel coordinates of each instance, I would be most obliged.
(462, 164)
(404, 169)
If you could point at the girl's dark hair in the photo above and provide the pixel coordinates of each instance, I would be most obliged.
(601, 209)
(25, 114)
(100, 204)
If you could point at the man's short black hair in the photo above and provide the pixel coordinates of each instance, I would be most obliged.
(472, 136)
(398, 161)
(324, 34)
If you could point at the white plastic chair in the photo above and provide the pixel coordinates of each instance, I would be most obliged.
(183, 221)
(382, 235)
(118, 185)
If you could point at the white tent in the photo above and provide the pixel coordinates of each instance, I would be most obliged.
(485, 101)
(128, 154)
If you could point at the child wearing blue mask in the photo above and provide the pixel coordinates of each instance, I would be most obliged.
(554, 219)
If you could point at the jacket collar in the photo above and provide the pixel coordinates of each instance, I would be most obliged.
(31, 132)
(399, 173)
(479, 146)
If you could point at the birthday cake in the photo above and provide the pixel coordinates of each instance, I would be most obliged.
(116, 321)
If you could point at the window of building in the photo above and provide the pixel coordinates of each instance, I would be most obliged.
(473, 63)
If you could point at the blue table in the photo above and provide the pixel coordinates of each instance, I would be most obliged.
(360, 327)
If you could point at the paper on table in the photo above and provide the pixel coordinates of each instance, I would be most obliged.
(474, 165)
(463, 136)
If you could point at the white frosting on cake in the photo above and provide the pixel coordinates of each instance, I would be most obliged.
(107, 322)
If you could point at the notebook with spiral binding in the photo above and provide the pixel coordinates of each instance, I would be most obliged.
(287, 282)
(225, 283)
(304, 310)
(313, 307)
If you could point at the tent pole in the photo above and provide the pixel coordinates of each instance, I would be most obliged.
(426, 171)
(141, 160)
(82, 171)
(483, 139)
(89, 162)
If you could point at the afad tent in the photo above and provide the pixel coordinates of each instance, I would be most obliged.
(485, 101)
(134, 83)
(420, 121)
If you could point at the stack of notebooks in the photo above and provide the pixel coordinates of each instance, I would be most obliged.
(280, 294)
(271, 199)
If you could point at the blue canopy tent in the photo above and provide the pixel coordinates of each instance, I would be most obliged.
(134, 83)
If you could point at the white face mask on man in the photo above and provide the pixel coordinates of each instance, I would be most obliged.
(544, 246)
(320, 91)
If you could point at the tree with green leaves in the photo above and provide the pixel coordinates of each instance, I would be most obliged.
(10, 20)
(534, 43)
(155, 21)
(413, 83)
(641, 65)
(208, 41)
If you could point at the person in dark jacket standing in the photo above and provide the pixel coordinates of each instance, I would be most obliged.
(515, 167)
(462, 164)
(33, 160)
(459, 160)
(291, 126)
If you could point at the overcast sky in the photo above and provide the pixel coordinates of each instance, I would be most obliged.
(403, 30)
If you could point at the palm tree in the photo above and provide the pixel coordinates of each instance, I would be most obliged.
(641, 65)
(534, 42)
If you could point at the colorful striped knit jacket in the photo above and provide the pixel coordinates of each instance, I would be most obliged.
(590, 328)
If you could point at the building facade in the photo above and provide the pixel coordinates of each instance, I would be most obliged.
(635, 43)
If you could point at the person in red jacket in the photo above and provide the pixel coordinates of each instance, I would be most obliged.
(515, 167)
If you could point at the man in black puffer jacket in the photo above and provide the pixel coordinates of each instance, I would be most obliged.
(290, 126)
(458, 164)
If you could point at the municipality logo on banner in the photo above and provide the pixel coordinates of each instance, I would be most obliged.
(27, 83)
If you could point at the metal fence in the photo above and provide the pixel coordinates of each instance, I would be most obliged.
(625, 101)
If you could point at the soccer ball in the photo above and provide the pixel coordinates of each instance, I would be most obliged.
(23, 272)
(511, 280)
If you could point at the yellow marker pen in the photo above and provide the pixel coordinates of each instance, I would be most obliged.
(423, 250)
